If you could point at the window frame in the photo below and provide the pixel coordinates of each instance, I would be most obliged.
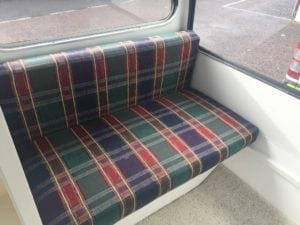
(247, 71)
(14, 47)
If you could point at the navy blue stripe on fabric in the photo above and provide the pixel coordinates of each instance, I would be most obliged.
(10, 108)
(44, 190)
(138, 177)
(84, 84)
(146, 63)
(6, 91)
(194, 52)
(203, 149)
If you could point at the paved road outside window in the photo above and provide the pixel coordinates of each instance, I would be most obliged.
(27, 21)
(259, 34)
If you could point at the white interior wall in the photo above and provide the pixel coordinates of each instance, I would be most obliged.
(2, 189)
(271, 165)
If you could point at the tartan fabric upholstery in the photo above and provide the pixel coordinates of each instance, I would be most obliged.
(293, 74)
(44, 94)
(109, 129)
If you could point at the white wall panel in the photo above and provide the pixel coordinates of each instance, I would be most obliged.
(272, 164)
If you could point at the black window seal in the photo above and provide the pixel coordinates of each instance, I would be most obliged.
(296, 8)
(191, 16)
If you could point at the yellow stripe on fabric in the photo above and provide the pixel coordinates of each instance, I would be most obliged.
(60, 90)
(201, 128)
(160, 60)
(185, 55)
(159, 173)
(153, 121)
(132, 72)
(40, 143)
(71, 85)
(31, 97)
(18, 99)
(100, 167)
(218, 113)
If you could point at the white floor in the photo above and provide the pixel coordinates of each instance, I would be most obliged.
(223, 199)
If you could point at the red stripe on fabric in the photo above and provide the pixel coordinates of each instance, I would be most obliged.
(293, 74)
(69, 189)
(230, 121)
(21, 86)
(23, 92)
(160, 57)
(132, 65)
(107, 169)
(100, 75)
(185, 54)
(64, 80)
(69, 192)
(174, 140)
(12, 82)
(146, 157)
(203, 130)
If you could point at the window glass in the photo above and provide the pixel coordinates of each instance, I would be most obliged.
(259, 34)
(32, 21)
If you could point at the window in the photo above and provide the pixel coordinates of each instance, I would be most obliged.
(258, 34)
(32, 21)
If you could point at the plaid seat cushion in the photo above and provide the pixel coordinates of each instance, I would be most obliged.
(293, 74)
(44, 94)
(103, 131)
(104, 169)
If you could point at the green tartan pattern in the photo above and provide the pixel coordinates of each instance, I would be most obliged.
(102, 132)
(113, 166)
(49, 93)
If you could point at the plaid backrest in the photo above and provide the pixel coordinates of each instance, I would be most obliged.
(293, 75)
(48, 93)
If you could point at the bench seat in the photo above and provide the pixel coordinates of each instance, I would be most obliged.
(102, 168)
(129, 158)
